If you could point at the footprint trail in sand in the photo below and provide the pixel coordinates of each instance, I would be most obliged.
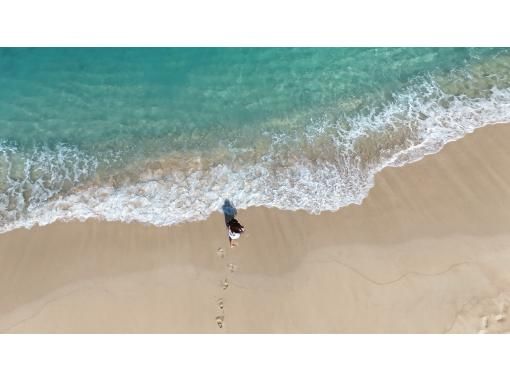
(225, 284)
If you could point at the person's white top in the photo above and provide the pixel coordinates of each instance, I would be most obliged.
(233, 235)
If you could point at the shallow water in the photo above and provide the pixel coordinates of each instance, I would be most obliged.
(165, 135)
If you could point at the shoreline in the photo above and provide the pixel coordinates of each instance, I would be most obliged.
(428, 250)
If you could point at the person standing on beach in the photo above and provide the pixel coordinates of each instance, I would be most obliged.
(235, 229)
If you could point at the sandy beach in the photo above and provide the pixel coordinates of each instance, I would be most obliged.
(428, 251)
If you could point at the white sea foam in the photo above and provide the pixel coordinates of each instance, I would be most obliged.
(415, 123)
(30, 180)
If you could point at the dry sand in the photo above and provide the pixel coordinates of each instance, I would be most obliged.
(428, 251)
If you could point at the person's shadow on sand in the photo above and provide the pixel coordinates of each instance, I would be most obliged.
(229, 211)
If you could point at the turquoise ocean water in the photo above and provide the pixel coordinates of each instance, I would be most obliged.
(163, 136)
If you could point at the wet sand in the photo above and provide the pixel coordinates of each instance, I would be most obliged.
(428, 251)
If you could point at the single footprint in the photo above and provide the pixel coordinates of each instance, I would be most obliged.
(225, 284)
(220, 252)
(220, 303)
(219, 321)
(484, 323)
(499, 317)
(232, 267)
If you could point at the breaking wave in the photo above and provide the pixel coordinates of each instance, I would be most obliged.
(325, 166)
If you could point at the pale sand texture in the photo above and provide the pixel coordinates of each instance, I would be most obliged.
(427, 251)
